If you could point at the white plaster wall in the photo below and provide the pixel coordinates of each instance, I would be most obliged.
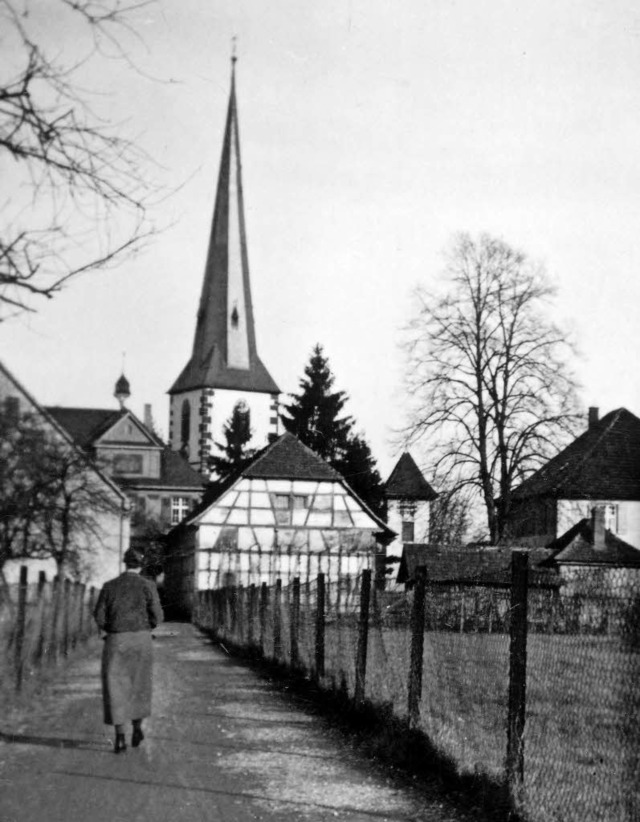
(175, 423)
(219, 407)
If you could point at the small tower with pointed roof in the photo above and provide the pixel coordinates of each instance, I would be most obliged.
(409, 497)
(224, 368)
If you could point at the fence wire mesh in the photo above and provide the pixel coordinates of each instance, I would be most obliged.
(581, 741)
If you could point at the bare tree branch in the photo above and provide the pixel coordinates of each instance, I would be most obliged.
(88, 183)
(487, 375)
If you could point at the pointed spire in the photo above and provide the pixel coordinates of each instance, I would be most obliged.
(224, 347)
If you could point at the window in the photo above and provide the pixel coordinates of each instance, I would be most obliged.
(408, 531)
(284, 504)
(611, 518)
(127, 464)
(180, 507)
(185, 427)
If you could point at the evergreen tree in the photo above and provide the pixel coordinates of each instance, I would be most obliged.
(358, 467)
(315, 417)
(235, 454)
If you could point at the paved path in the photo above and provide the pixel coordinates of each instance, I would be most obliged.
(222, 745)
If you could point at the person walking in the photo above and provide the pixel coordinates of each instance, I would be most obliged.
(127, 610)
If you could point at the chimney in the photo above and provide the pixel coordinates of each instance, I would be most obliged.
(148, 416)
(594, 415)
(597, 527)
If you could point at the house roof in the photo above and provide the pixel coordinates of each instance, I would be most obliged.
(602, 463)
(575, 547)
(87, 425)
(175, 472)
(406, 481)
(470, 567)
(286, 458)
(59, 428)
(225, 303)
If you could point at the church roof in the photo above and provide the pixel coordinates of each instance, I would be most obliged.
(406, 481)
(226, 309)
(602, 463)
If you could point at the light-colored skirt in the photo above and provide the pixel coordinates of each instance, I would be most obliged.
(127, 661)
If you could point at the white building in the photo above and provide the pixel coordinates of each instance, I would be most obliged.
(288, 514)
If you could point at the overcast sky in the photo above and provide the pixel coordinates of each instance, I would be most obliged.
(371, 132)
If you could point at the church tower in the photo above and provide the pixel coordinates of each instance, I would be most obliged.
(224, 369)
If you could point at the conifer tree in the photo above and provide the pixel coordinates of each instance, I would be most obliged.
(316, 417)
(235, 454)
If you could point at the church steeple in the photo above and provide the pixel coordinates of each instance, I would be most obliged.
(224, 351)
(224, 356)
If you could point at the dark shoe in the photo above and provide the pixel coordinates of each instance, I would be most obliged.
(121, 744)
(136, 737)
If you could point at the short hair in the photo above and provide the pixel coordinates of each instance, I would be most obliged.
(132, 558)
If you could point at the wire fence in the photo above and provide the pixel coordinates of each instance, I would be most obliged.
(40, 623)
(533, 687)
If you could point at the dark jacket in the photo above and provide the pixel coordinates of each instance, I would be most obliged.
(128, 603)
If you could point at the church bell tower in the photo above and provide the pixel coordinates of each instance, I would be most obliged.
(224, 369)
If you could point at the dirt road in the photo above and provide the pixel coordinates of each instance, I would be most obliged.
(222, 744)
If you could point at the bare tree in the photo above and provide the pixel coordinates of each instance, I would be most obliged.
(74, 194)
(487, 373)
(53, 499)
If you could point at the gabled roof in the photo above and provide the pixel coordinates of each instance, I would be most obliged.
(223, 309)
(470, 567)
(46, 414)
(87, 425)
(575, 547)
(602, 463)
(406, 481)
(288, 459)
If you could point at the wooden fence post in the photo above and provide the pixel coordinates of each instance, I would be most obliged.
(21, 624)
(294, 620)
(251, 615)
(75, 619)
(417, 646)
(81, 609)
(42, 584)
(233, 600)
(517, 672)
(320, 621)
(67, 614)
(363, 635)
(264, 604)
(92, 604)
(277, 621)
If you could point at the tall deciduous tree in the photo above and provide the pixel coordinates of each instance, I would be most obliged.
(74, 191)
(316, 417)
(488, 373)
(235, 454)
